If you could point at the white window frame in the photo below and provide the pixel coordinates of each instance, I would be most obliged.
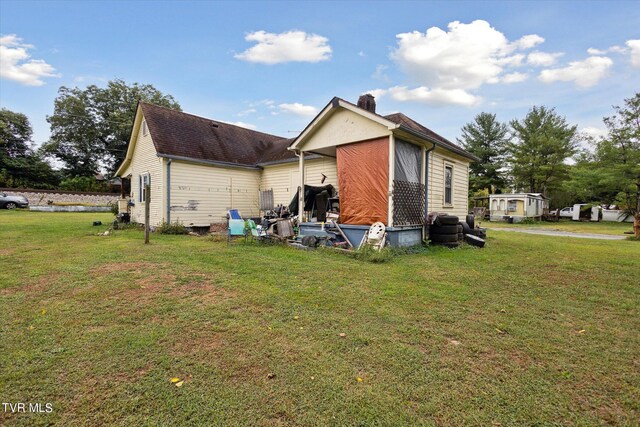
(143, 180)
(444, 193)
(145, 130)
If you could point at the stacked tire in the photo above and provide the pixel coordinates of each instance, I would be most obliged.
(473, 236)
(449, 231)
(445, 231)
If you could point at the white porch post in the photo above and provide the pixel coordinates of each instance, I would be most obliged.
(301, 188)
(392, 163)
(423, 160)
(423, 181)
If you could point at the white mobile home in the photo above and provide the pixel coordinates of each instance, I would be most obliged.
(516, 207)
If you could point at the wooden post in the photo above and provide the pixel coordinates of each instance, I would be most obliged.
(301, 189)
(392, 160)
(147, 209)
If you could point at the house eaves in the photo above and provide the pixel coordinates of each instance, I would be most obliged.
(209, 162)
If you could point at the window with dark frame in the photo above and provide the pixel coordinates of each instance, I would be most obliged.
(448, 185)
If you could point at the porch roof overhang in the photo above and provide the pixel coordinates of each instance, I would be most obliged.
(398, 130)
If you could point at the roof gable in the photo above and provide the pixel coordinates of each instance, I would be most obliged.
(394, 122)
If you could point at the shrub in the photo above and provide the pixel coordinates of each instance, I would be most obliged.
(127, 225)
(367, 253)
(172, 228)
(84, 183)
(526, 221)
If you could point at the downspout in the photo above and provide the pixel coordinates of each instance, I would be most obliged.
(169, 191)
(426, 181)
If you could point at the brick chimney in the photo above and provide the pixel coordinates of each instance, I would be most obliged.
(367, 102)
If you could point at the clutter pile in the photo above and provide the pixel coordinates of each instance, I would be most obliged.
(448, 230)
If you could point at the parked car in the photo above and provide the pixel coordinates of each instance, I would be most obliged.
(12, 202)
(566, 212)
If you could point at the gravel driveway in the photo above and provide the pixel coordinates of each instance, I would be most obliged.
(562, 233)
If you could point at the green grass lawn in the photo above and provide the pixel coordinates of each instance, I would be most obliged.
(603, 227)
(530, 330)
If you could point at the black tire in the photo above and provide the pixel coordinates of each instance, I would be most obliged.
(446, 220)
(480, 232)
(465, 228)
(443, 229)
(10, 205)
(471, 221)
(310, 241)
(444, 238)
(460, 237)
(460, 228)
(474, 241)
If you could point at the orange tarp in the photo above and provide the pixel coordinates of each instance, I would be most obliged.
(363, 180)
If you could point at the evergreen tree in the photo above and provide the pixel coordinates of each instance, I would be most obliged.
(543, 141)
(487, 138)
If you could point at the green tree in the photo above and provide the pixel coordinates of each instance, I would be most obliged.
(543, 141)
(90, 127)
(20, 165)
(487, 138)
(83, 183)
(618, 156)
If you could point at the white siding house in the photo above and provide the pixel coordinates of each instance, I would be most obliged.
(198, 168)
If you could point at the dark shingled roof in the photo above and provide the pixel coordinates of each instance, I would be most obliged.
(183, 135)
(179, 134)
(401, 119)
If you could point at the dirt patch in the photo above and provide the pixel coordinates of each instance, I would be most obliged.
(146, 288)
(142, 282)
(36, 286)
(200, 343)
(129, 267)
(205, 293)
(6, 252)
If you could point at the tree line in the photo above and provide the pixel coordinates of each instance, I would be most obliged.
(90, 130)
(542, 153)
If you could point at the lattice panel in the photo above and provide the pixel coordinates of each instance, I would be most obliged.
(408, 203)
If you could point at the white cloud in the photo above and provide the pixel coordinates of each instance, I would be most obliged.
(425, 95)
(584, 74)
(291, 46)
(593, 131)
(380, 73)
(465, 57)
(299, 109)
(15, 63)
(377, 93)
(514, 77)
(594, 51)
(542, 59)
(247, 112)
(634, 48)
(242, 125)
(529, 41)
(447, 65)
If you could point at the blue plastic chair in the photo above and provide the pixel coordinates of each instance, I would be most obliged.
(235, 224)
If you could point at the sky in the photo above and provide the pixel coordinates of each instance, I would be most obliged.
(272, 66)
